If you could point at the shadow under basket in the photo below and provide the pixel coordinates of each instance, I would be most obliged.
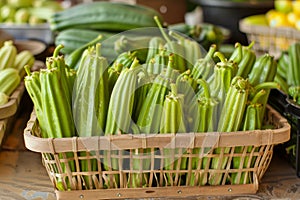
(158, 165)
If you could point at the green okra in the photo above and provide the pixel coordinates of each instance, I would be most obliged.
(293, 70)
(173, 122)
(154, 47)
(245, 60)
(252, 121)
(33, 87)
(204, 67)
(173, 47)
(125, 59)
(90, 97)
(203, 112)
(224, 72)
(263, 70)
(192, 51)
(283, 65)
(294, 93)
(119, 114)
(230, 120)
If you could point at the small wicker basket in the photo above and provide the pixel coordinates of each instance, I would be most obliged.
(62, 158)
(267, 39)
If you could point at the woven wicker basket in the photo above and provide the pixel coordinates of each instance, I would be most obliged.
(60, 153)
(269, 39)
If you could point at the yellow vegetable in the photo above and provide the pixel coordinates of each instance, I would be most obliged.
(257, 20)
(277, 19)
(284, 6)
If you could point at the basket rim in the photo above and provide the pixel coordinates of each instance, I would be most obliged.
(288, 32)
(182, 140)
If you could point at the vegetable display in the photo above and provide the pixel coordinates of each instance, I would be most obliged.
(12, 70)
(173, 88)
(104, 16)
(31, 12)
(288, 75)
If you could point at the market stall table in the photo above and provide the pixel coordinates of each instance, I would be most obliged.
(23, 177)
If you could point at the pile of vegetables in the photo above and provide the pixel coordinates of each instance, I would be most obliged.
(30, 12)
(76, 26)
(174, 89)
(82, 23)
(286, 13)
(12, 71)
(288, 77)
(288, 73)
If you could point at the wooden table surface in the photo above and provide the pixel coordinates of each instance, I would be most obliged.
(22, 175)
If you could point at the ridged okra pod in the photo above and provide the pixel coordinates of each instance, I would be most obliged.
(173, 122)
(122, 100)
(245, 57)
(224, 72)
(33, 87)
(57, 109)
(251, 121)
(160, 62)
(283, 65)
(119, 115)
(192, 51)
(263, 70)
(8, 54)
(293, 70)
(154, 47)
(203, 112)
(90, 101)
(90, 96)
(23, 58)
(150, 115)
(125, 59)
(9, 80)
(113, 75)
(204, 67)
(143, 86)
(230, 120)
(187, 86)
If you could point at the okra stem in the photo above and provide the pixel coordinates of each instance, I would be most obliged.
(161, 29)
(27, 70)
(205, 87)
(257, 96)
(57, 49)
(266, 85)
(220, 56)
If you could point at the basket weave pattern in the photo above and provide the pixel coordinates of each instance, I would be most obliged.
(62, 157)
(269, 39)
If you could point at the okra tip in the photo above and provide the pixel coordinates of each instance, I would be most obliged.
(237, 44)
(27, 70)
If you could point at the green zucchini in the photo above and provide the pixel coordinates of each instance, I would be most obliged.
(104, 16)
